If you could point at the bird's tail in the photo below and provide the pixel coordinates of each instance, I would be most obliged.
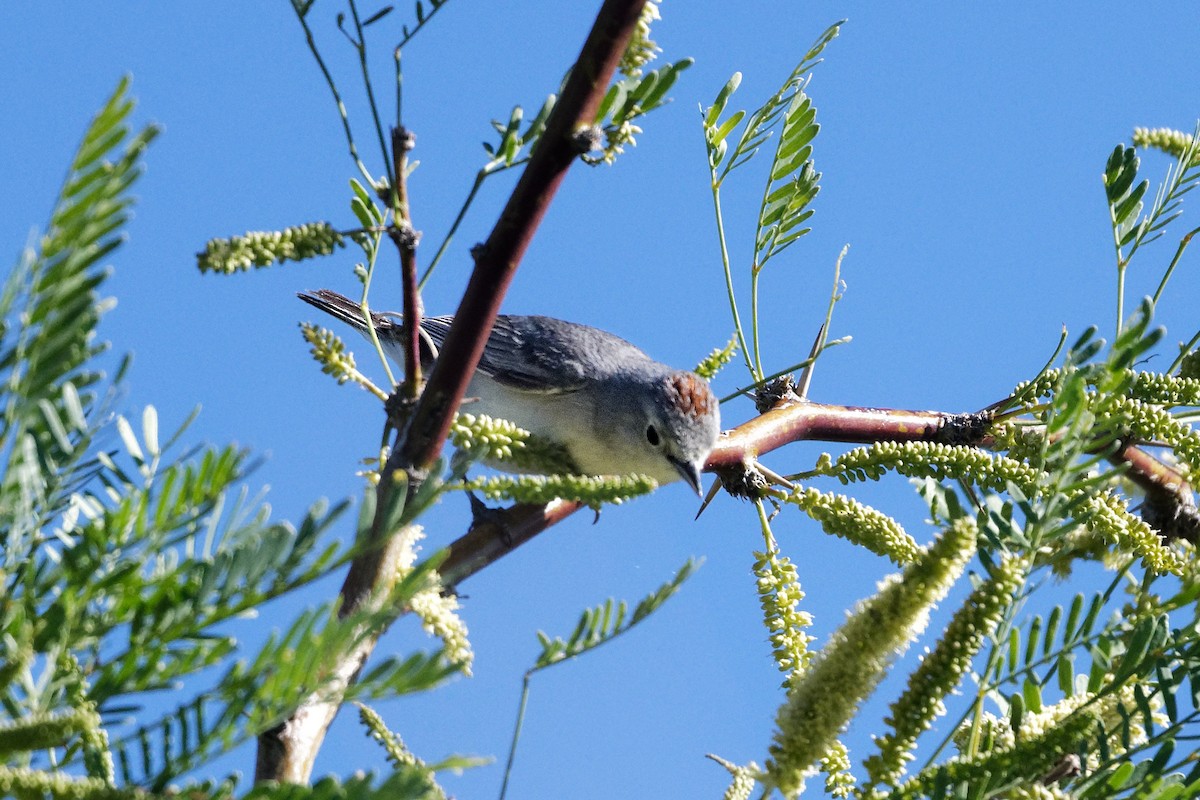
(345, 309)
(387, 324)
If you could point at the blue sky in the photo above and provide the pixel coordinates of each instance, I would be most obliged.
(961, 148)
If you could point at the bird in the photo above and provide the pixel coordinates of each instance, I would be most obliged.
(613, 408)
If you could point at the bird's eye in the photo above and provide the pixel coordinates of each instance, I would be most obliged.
(652, 436)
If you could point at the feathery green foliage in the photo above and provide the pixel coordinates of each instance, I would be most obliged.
(49, 309)
(607, 621)
(792, 181)
(1090, 696)
(124, 567)
(758, 127)
(628, 100)
(1131, 229)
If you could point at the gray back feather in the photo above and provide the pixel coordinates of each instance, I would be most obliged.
(543, 354)
(532, 354)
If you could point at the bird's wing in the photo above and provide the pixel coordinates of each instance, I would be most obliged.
(536, 354)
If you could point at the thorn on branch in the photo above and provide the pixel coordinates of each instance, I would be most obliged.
(403, 140)
(585, 140)
(483, 514)
(775, 392)
(964, 429)
(399, 408)
(479, 251)
(1172, 515)
(404, 236)
(744, 481)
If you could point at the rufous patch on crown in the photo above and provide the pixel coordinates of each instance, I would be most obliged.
(694, 398)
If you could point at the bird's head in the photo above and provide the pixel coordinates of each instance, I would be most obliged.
(682, 421)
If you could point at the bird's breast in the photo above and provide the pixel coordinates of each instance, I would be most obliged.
(566, 418)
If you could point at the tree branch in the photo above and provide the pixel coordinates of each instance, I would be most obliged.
(1169, 507)
(496, 259)
(287, 752)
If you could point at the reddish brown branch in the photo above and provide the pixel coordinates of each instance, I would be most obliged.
(796, 422)
(1169, 507)
(286, 752)
(1150, 474)
(496, 259)
(1169, 504)
(494, 535)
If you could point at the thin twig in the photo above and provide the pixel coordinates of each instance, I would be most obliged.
(405, 237)
(516, 737)
(480, 177)
(1183, 243)
(409, 34)
(337, 99)
(747, 354)
(462, 213)
(361, 47)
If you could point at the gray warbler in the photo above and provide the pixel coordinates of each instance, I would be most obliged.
(613, 408)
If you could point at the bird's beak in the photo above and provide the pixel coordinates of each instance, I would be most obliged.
(688, 471)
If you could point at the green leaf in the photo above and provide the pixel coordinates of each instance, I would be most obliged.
(665, 81)
(1016, 711)
(150, 430)
(1032, 639)
(718, 135)
(1131, 205)
(1066, 673)
(1032, 695)
(1120, 173)
(378, 15)
(1048, 640)
(54, 424)
(1135, 653)
(758, 126)
(1120, 776)
(715, 111)
(600, 624)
